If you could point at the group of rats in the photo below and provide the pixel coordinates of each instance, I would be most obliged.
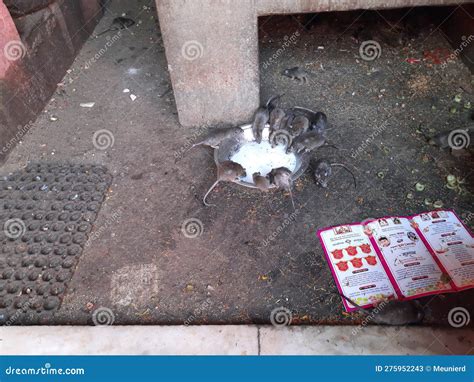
(299, 129)
(307, 130)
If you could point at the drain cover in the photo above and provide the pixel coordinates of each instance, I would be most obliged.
(46, 213)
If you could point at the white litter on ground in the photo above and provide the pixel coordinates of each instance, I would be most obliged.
(87, 104)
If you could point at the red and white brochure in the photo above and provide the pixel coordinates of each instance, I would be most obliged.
(400, 257)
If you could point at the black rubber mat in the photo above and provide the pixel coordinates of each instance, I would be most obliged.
(46, 213)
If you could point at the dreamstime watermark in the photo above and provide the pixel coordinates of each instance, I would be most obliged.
(465, 42)
(281, 316)
(468, 218)
(14, 50)
(110, 41)
(16, 316)
(365, 144)
(103, 317)
(370, 317)
(281, 138)
(288, 41)
(192, 228)
(103, 139)
(197, 312)
(178, 154)
(370, 50)
(22, 130)
(44, 370)
(192, 50)
(113, 219)
(459, 317)
(14, 228)
(290, 219)
(459, 139)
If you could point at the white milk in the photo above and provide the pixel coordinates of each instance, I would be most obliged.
(263, 158)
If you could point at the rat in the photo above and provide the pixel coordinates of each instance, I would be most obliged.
(276, 117)
(319, 123)
(323, 170)
(307, 142)
(281, 177)
(227, 171)
(261, 182)
(261, 118)
(117, 24)
(317, 120)
(276, 138)
(296, 73)
(394, 312)
(299, 125)
(214, 138)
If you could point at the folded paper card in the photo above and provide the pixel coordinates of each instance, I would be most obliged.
(400, 257)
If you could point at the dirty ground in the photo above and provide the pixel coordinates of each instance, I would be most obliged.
(251, 254)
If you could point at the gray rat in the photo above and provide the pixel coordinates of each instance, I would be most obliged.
(276, 117)
(296, 73)
(261, 118)
(308, 141)
(261, 182)
(394, 312)
(299, 125)
(280, 137)
(323, 170)
(317, 120)
(118, 23)
(227, 171)
(214, 138)
(281, 177)
(283, 136)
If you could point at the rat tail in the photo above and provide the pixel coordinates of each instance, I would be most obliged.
(270, 105)
(349, 171)
(349, 300)
(186, 150)
(101, 33)
(292, 200)
(208, 192)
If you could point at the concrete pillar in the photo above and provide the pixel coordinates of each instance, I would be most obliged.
(212, 53)
(212, 50)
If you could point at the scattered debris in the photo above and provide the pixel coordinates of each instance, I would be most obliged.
(419, 84)
(419, 187)
(133, 97)
(455, 183)
(413, 60)
(87, 104)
